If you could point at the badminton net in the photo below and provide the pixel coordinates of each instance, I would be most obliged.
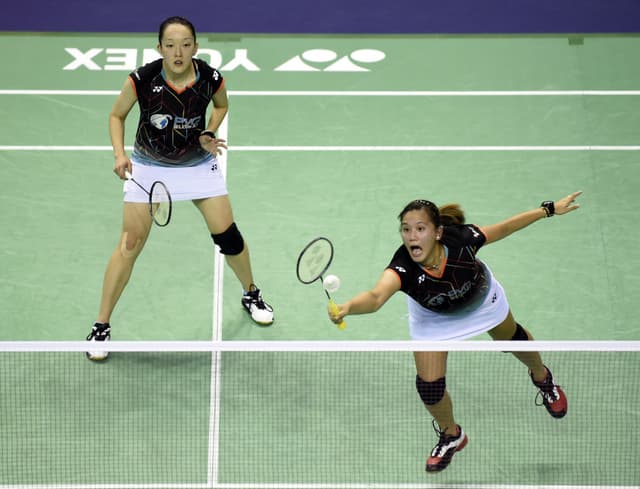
(311, 415)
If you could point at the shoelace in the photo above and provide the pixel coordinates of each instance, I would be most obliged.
(443, 438)
(256, 299)
(547, 392)
(99, 333)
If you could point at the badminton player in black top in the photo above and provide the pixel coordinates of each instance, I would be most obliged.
(178, 146)
(452, 295)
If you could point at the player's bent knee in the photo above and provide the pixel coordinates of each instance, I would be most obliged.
(431, 392)
(229, 241)
(520, 334)
(129, 248)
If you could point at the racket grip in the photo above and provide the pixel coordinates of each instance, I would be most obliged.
(334, 310)
(127, 175)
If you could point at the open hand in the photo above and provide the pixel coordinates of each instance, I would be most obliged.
(567, 204)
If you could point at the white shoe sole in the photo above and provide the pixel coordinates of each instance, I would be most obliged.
(97, 356)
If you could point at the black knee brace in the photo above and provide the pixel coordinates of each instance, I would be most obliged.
(520, 334)
(230, 241)
(431, 392)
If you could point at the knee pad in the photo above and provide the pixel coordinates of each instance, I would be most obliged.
(431, 392)
(230, 241)
(127, 252)
(520, 334)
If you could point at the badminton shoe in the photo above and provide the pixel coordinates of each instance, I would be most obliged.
(258, 309)
(99, 332)
(446, 448)
(553, 397)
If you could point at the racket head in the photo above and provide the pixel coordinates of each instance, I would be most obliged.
(314, 260)
(160, 204)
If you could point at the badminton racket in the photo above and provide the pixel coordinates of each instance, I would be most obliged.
(159, 200)
(313, 262)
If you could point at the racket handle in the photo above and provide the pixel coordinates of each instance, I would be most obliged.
(127, 175)
(334, 310)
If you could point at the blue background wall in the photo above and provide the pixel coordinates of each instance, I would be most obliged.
(329, 16)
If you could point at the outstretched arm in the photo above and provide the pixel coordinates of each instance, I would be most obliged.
(496, 232)
(370, 300)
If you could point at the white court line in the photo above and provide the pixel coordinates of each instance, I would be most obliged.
(366, 93)
(369, 93)
(213, 451)
(352, 148)
(434, 148)
(223, 132)
(433, 93)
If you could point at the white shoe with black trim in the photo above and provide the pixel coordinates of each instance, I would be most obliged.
(258, 309)
(99, 332)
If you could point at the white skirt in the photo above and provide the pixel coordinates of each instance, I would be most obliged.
(184, 182)
(428, 325)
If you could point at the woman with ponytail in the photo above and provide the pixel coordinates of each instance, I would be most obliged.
(452, 295)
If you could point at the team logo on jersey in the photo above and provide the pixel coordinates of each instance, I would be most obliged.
(185, 123)
(160, 121)
(400, 269)
(422, 278)
(157, 89)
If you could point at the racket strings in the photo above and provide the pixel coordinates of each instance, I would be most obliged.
(160, 203)
(314, 261)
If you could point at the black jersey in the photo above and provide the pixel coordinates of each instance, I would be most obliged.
(170, 120)
(464, 278)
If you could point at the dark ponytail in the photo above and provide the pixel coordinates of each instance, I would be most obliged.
(451, 214)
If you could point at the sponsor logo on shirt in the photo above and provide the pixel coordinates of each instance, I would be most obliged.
(184, 123)
(160, 121)
(452, 295)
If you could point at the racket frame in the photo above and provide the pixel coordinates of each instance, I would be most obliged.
(128, 176)
(332, 304)
(304, 250)
(151, 203)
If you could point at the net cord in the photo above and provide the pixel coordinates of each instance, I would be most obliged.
(312, 346)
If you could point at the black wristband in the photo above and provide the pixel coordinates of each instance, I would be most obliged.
(549, 207)
(211, 134)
